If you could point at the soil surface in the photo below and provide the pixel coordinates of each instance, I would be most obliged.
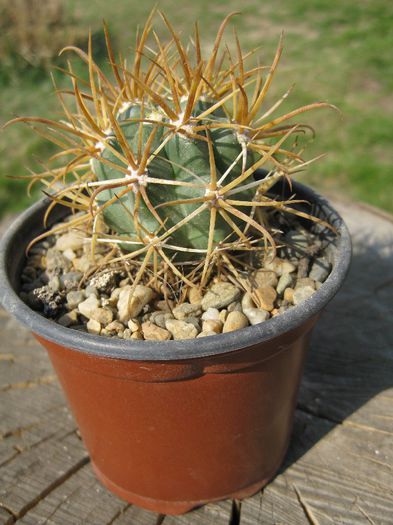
(63, 281)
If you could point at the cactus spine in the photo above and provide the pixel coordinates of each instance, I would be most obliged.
(165, 153)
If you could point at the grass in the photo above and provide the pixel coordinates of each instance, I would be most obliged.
(334, 51)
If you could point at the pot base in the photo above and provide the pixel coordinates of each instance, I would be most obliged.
(174, 508)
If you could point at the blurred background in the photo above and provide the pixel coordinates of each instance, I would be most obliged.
(336, 51)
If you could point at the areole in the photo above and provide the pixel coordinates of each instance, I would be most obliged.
(213, 414)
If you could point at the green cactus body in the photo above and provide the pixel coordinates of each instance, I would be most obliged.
(182, 159)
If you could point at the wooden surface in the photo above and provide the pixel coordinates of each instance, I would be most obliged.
(339, 468)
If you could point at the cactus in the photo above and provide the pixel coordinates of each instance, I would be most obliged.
(165, 153)
(184, 159)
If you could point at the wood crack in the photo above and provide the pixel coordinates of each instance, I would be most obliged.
(20, 450)
(235, 512)
(54, 485)
(345, 422)
(17, 432)
(314, 413)
(366, 427)
(12, 513)
(118, 514)
(44, 380)
(12, 457)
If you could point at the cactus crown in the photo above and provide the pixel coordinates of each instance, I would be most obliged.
(164, 154)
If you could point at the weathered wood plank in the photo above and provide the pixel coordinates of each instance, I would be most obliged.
(339, 468)
(28, 387)
(21, 365)
(345, 478)
(80, 500)
(55, 420)
(33, 474)
(344, 473)
(214, 514)
(133, 514)
(5, 517)
(31, 412)
(350, 360)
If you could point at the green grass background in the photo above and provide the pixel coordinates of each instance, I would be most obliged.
(336, 51)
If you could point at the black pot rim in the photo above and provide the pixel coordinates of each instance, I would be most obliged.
(174, 349)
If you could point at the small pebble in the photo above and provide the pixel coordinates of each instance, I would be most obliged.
(266, 295)
(247, 302)
(93, 327)
(235, 307)
(301, 294)
(70, 254)
(134, 325)
(211, 313)
(130, 304)
(103, 315)
(285, 281)
(194, 321)
(283, 309)
(223, 315)
(181, 329)
(115, 327)
(91, 290)
(256, 316)
(72, 240)
(126, 334)
(320, 270)
(265, 278)
(88, 306)
(212, 325)
(185, 310)
(206, 334)
(165, 306)
(69, 318)
(235, 321)
(82, 264)
(280, 266)
(54, 283)
(159, 318)
(305, 281)
(136, 335)
(152, 332)
(70, 280)
(195, 296)
(220, 295)
(74, 298)
(302, 269)
(56, 263)
(288, 295)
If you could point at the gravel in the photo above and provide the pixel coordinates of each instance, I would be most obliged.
(59, 281)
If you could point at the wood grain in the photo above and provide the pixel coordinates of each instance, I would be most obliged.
(215, 513)
(80, 500)
(339, 467)
(335, 480)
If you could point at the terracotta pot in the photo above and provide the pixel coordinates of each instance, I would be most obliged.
(172, 425)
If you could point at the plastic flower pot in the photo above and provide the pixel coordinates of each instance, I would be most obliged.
(176, 424)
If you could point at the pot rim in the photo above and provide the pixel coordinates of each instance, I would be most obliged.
(176, 349)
